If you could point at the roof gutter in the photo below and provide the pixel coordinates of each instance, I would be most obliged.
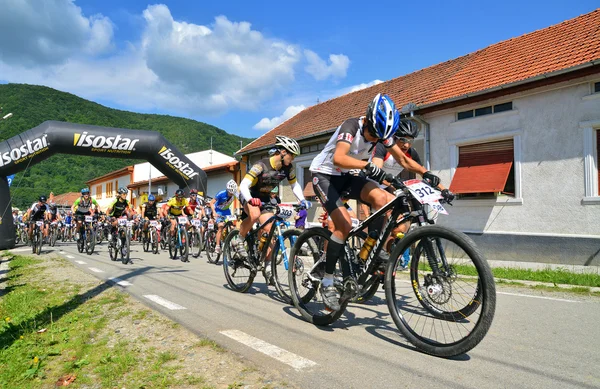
(513, 84)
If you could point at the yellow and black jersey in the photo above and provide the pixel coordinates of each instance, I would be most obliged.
(265, 176)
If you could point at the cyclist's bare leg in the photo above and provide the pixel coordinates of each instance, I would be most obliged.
(220, 227)
(253, 215)
(378, 198)
(267, 229)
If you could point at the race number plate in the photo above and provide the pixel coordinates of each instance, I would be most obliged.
(423, 192)
(122, 221)
(285, 211)
(196, 222)
(438, 207)
(39, 223)
(230, 218)
(211, 225)
(89, 219)
(182, 219)
(153, 223)
(355, 222)
(129, 223)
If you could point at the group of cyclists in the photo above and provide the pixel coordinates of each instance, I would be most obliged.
(375, 144)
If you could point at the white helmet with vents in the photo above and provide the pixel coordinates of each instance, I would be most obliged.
(232, 186)
(287, 143)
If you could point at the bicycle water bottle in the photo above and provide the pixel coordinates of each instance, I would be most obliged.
(406, 254)
(368, 245)
(262, 241)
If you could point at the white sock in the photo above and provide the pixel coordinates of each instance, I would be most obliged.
(327, 280)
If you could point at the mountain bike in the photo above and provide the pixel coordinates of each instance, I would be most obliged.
(210, 241)
(444, 307)
(53, 234)
(196, 238)
(152, 237)
(229, 224)
(120, 244)
(37, 238)
(87, 241)
(240, 272)
(179, 242)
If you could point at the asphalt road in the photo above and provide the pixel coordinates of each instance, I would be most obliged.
(537, 340)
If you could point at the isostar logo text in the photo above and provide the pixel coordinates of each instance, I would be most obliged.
(111, 144)
(29, 149)
(177, 164)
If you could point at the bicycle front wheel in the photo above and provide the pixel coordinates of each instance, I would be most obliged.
(195, 243)
(238, 272)
(446, 305)
(306, 269)
(280, 259)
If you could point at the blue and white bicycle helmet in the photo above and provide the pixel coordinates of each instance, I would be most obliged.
(384, 116)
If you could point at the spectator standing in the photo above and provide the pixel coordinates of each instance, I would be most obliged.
(301, 218)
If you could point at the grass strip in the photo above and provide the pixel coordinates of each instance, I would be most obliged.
(53, 331)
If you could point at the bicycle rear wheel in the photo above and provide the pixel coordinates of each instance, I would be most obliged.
(238, 271)
(446, 305)
(307, 267)
(154, 239)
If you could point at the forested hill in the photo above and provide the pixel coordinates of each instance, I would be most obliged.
(32, 105)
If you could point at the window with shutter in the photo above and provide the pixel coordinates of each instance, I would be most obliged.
(485, 168)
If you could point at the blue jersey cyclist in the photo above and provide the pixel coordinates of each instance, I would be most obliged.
(221, 208)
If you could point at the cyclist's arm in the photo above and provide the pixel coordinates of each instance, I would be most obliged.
(212, 205)
(95, 205)
(109, 210)
(75, 205)
(342, 160)
(378, 155)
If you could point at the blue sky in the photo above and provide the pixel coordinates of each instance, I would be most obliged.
(245, 66)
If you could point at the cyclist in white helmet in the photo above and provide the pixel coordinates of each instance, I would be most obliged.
(260, 180)
(349, 146)
(221, 208)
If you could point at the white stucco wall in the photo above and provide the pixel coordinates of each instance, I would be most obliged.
(202, 159)
(217, 182)
(551, 147)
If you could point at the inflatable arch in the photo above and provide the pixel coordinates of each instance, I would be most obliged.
(51, 137)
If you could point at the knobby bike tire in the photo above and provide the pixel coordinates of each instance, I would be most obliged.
(485, 289)
(91, 242)
(154, 239)
(210, 246)
(185, 245)
(310, 311)
(125, 249)
(230, 258)
(278, 271)
(196, 243)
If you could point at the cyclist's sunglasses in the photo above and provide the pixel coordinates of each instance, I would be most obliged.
(405, 140)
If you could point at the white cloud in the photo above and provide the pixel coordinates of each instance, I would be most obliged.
(320, 70)
(41, 32)
(228, 63)
(358, 87)
(267, 124)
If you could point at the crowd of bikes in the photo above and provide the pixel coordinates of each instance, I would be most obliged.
(193, 235)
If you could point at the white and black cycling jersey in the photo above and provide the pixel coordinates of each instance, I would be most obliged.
(350, 132)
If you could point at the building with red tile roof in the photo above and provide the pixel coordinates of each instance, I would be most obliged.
(513, 129)
(553, 54)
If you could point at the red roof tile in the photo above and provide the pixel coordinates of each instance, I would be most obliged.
(65, 199)
(557, 48)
